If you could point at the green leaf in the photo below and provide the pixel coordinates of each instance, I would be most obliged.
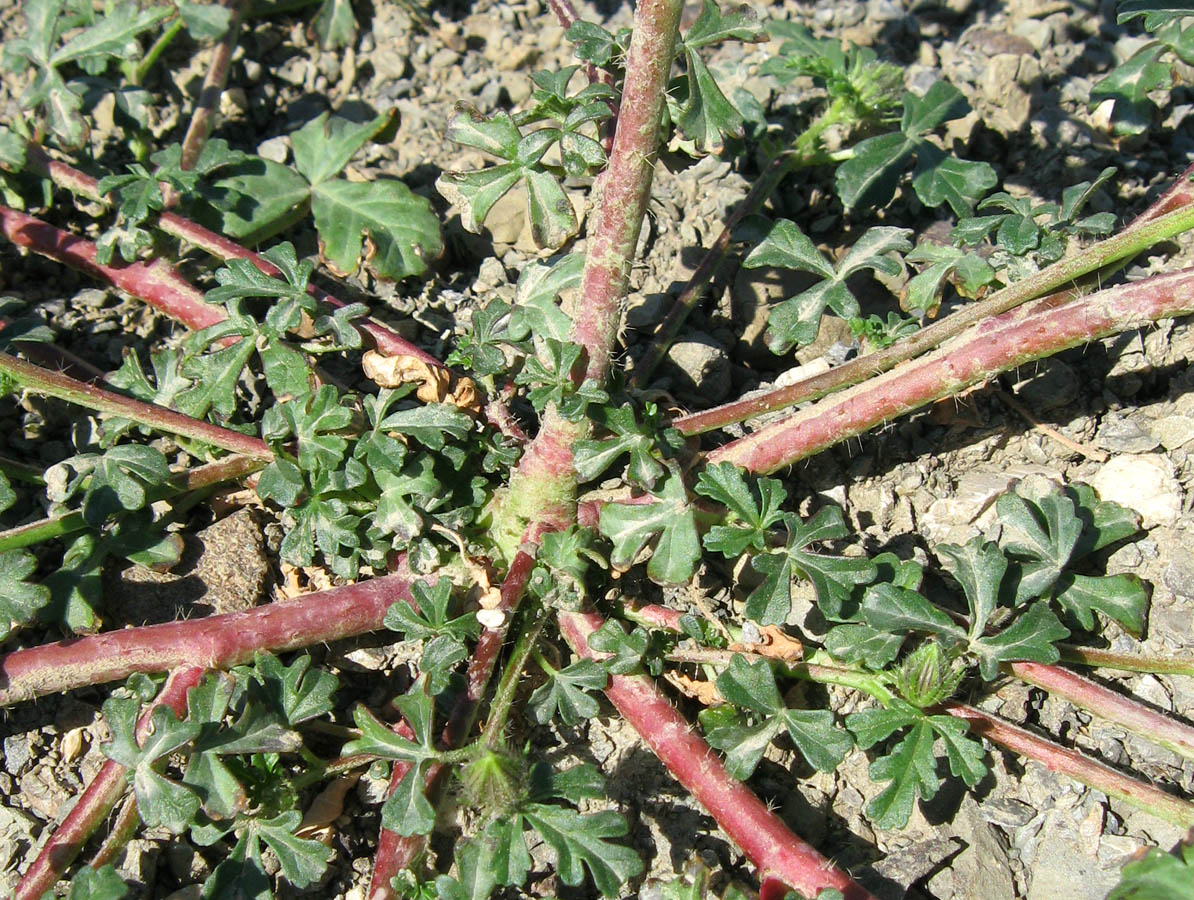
(1042, 535)
(739, 23)
(833, 577)
(967, 759)
(566, 690)
(582, 841)
(112, 35)
(241, 876)
(476, 866)
(1157, 875)
(75, 586)
(627, 651)
(204, 21)
(475, 193)
(911, 768)
(1103, 522)
(1123, 598)
(593, 457)
(303, 861)
(940, 103)
(879, 723)
(868, 179)
(943, 178)
(861, 644)
(160, 801)
(594, 44)
(752, 511)
(253, 200)
(380, 222)
(631, 526)
(1129, 84)
(536, 300)
(335, 24)
(121, 481)
(214, 377)
(97, 884)
(1030, 637)
(979, 568)
(315, 422)
(706, 117)
(797, 320)
(751, 685)
(742, 743)
(19, 600)
(431, 425)
(296, 691)
(896, 610)
(324, 146)
(434, 617)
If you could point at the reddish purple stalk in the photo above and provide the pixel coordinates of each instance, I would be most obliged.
(156, 283)
(780, 856)
(99, 797)
(385, 339)
(626, 182)
(1110, 705)
(216, 642)
(1074, 764)
(395, 852)
(995, 346)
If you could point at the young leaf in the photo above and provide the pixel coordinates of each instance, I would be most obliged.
(97, 884)
(911, 768)
(979, 567)
(857, 643)
(752, 512)
(536, 299)
(1030, 637)
(19, 600)
(833, 577)
(631, 526)
(592, 457)
(160, 801)
(567, 690)
(433, 617)
(896, 610)
(324, 146)
(1157, 875)
(797, 320)
(476, 867)
(751, 685)
(582, 841)
(627, 651)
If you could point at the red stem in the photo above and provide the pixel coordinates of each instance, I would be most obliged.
(156, 283)
(1069, 762)
(385, 339)
(1110, 705)
(779, 855)
(395, 852)
(99, 797)
(995, 346)
(626, 182)
(216, 642)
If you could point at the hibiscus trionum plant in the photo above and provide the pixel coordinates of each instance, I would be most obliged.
(531, 531)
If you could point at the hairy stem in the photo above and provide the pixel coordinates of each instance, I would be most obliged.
(156, 283)
(1127, 662)
(779, 855)
(99, 797)
(1129, 714)
(1140, 236)
(52, 384)
(992, 347)
(385, 339)
(1076, 765)
(626, 182)
(216, 642)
